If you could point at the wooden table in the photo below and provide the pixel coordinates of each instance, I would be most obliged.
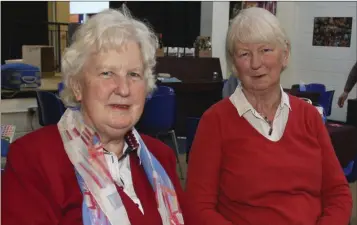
(344, 141)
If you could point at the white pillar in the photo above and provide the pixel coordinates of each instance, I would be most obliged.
(206, 18)
(286, 12)
(214, 23)
(220, 22)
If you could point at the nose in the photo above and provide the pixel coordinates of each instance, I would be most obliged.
(256, 61)
(122, 86)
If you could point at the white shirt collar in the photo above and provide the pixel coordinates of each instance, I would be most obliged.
(239, 100)
(125, 149)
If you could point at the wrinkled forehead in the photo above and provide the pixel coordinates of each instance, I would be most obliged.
(127, 56)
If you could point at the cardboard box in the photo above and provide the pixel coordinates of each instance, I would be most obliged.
(160, 52)
(205, 53)
(41, 56)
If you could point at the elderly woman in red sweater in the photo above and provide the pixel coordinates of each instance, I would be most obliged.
(93, 167)
(261, 156)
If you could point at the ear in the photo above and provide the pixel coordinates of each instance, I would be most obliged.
(76, 88)
(286, 55)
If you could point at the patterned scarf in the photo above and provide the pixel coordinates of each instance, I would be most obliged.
(102, 203)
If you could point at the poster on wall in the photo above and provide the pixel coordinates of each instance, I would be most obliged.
(235, 7)
(332, 31)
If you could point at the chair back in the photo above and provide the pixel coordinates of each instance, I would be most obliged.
(326, 101)
(351, 171)
(315, 87)
(60, 87)
(191, 127)
(50, 108)
(4, 147)
(159, 112)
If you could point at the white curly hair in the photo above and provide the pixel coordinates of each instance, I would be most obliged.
(108, 29)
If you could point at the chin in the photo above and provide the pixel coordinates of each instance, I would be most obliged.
(121, 125)
(260, 87)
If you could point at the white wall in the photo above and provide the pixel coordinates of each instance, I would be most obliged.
(214, 23)
(220, 20)
(206, 18)
(327, 65)
(87, 7)
(286, 13)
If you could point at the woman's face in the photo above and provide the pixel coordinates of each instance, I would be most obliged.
(112, 90)
(259, 65)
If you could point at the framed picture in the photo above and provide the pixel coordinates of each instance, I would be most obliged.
(332, 31)
(235, 7)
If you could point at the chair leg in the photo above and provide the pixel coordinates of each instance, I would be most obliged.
(173, 136)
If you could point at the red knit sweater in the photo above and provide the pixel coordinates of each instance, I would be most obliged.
(39, 186)
(237, 176)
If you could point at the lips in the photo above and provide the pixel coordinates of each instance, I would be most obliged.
(259, 76)
(119, 106)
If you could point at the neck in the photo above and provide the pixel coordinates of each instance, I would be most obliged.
(111, 144)
(265, 102)
(115, 146)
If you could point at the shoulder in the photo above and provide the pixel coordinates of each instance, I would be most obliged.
(305, 111)
(301, 106)
(44, 144)
(218, 115)
(223, 108)
(43, 137)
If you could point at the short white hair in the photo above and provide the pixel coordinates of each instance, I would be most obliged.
(109, 29)
(254, 25)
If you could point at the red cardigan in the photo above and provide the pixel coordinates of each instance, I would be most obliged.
(237, 176)
(39, 185)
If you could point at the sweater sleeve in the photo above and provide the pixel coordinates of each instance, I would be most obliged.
(336, 195)
(203, 172)
(24, 193)
(352, 79)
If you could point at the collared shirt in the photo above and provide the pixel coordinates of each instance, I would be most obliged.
(246, 110)
(121, 173)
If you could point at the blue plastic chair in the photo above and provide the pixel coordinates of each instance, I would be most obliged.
(4, 147)
(191, 127)
(315, 87)
(350, 171)
(326, 101)
(50, 108)
(326, 97)
(60, 87)
(159, 116)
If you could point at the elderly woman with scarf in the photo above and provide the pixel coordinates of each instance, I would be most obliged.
(261, 156)
(94, 167)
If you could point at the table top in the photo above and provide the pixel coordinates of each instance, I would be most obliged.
(47, 84)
